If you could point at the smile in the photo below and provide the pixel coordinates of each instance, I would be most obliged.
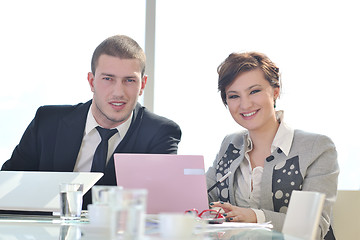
(118, 104)
(248, 114)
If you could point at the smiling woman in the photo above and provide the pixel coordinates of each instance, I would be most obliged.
(251, 97)
(269, 160)
(317, 51)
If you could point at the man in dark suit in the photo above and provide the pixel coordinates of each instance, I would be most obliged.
(64, 138)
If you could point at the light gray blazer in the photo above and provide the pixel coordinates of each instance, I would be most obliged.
(311, 166)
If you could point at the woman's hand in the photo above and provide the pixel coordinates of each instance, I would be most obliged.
(236, 214)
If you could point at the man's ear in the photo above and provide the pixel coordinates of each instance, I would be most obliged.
(143, 83)
(90, 78)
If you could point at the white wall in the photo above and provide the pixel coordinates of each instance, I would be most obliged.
(46, 48)
(315, 44)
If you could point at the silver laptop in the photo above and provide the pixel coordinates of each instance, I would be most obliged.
(38, 191)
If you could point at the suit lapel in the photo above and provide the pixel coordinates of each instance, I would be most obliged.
(69, 137)
(233, 167)
(275, 159)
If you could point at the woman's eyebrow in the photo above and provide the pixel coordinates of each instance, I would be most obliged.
(247, 89)
(253, 86)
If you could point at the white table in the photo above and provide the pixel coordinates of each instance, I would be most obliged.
(13, 227)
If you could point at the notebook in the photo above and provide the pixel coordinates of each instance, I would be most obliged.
(38, 191)
(175, 183)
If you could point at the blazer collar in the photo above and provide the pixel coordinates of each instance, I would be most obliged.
(69, 137)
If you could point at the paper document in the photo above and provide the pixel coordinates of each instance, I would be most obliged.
(241, 225)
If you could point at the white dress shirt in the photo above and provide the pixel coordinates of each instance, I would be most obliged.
(92, 139)
(249, 180)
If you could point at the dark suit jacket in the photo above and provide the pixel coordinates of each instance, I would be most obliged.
(53, 139)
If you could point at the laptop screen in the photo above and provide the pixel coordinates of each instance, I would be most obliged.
(38, 191)
(175, 183)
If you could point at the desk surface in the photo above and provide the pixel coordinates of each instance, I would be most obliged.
(48, 228)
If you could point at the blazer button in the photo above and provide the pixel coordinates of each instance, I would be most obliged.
(270, 158)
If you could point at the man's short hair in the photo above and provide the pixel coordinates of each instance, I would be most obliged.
(120, 46)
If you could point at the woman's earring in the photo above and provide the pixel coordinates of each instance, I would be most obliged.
(275, 104)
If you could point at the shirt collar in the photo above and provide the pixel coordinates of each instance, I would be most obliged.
(92, 124)
(283, 138)
(284, 135)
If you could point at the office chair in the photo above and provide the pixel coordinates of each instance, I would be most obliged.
(303, 214)
(346, 215)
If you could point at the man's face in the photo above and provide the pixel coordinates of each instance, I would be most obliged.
(117, 84)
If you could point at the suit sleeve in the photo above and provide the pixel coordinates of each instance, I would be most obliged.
(166, 139)
(25, 155)
(321, 176)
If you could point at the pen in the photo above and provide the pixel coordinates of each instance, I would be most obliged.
(219, 181)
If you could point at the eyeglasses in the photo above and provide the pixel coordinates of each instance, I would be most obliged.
(209, 215)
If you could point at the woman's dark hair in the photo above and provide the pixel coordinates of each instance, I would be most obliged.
(238, 63)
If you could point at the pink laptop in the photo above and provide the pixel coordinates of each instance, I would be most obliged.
(175, 183)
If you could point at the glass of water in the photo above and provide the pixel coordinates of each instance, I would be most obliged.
(128, 209)
(71, 201)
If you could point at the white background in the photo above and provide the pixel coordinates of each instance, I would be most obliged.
(46, 48)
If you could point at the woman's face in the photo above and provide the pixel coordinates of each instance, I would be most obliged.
(250, 99)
